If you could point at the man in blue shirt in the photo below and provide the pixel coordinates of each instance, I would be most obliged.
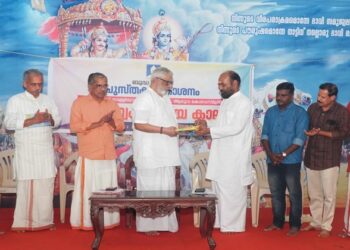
(283, 140)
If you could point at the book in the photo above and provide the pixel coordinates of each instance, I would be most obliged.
(109, 191)
(188, 128)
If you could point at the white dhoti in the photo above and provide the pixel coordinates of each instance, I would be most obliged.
(34, 205)
(231, 206)
(156, 179)
(90, 176)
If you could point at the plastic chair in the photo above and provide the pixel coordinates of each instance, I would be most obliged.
(7, 183)
(65, 187)
(198, 168)
(261, 187)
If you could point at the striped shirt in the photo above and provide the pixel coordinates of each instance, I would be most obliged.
(324, 152)
(34, 154)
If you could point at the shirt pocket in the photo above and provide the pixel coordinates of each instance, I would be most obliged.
(288, 127)
(331, 124)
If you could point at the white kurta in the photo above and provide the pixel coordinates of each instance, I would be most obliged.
(152, 150)
(155, 155)
(34, 154)
(229, 164)
(34, 166)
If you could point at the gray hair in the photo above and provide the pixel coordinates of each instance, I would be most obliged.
(29, 72)
(160, 72)
(92, 77)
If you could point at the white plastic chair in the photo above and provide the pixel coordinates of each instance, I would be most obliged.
(198, 168)
(65, 187)
(7, 183)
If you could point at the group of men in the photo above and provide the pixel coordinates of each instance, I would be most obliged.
(95, 118)
(286, 127)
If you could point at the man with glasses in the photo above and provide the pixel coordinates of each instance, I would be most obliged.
(32, 115)
(95, 119)
(155, 146)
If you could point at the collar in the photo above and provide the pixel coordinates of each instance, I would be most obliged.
(329, 110)
(154, 93)
(238, 93)
(94, 100)
(30, 96)
(290, 105)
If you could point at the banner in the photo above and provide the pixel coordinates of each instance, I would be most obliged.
(195, 93)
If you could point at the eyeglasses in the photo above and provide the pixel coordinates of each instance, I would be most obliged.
(166, 81)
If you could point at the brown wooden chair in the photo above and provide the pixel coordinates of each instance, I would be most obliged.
(128, 185)
(65, 187)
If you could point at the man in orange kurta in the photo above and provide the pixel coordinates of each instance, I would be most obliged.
(95, 119)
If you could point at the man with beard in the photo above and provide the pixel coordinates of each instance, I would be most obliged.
(229, 165)
(329, 125)
(283, 140)
(155, 146)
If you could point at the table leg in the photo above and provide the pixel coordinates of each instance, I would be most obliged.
(129, 214)
(203, 226)
(97, 219)
(210, 224)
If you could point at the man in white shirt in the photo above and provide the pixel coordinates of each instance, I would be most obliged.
(32, 116)
(229, 164)
(155, 146)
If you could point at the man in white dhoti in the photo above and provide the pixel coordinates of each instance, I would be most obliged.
(229, 165)
(155, 146)
(95, 119)
(32, 116)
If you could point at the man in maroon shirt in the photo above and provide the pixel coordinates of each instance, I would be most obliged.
(329, 126)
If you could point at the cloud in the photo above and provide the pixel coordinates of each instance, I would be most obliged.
(274, 61)
(337, 59)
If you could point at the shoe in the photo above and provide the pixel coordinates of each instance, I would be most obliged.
(152, 233)
(293, 231)
(310, 228)
(343, 235)
(272, 227)
(324, 233)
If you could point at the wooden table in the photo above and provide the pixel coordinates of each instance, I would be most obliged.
(152, 204)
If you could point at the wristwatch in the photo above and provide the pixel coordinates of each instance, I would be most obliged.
(284, 154)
